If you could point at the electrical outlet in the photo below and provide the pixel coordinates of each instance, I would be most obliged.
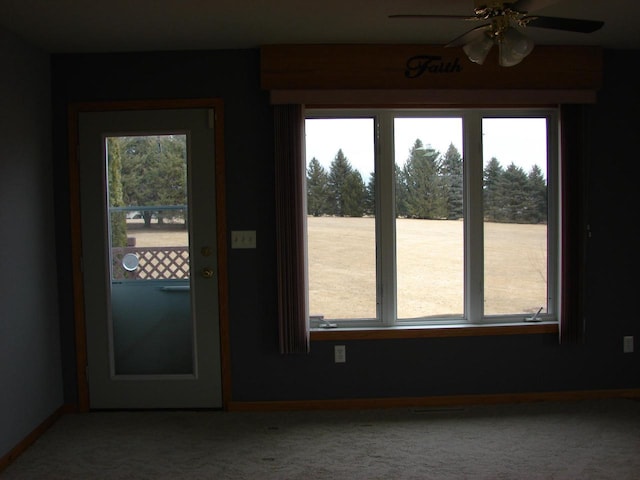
(627, 344)
(340, 353)
(243, 239)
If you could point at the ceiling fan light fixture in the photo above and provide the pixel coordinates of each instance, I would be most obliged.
(503, 16)
(478, 50)
(513, 47)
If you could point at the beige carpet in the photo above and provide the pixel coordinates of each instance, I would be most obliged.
(578, 440)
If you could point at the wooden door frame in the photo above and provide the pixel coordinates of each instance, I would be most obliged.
(73, 113)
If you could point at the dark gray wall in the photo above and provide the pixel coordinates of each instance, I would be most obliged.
(376, 368)
(30, 368)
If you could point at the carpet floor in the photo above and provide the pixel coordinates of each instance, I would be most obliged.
(595, 439)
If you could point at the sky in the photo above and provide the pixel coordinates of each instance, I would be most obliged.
(521, 141)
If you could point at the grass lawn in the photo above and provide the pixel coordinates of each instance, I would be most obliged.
(430, 265)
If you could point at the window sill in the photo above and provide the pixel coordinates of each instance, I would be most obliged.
(435, 331)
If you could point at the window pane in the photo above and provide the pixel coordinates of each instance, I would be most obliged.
(151, 314)
(341, 218)
(515, 215)
(147, 178)
(429, 223)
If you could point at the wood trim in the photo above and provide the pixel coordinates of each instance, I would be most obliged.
(31, 438)
(74, 110)
(431, 98)
(435, 331)
(435, 401)
(162, 104)
(221, 239)
(425, 67)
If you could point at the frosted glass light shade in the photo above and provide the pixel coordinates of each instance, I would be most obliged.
(514, 47)
(478, 50)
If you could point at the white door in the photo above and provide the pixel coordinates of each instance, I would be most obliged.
(147, 199)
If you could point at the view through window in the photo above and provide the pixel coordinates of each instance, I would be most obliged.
(418, 216)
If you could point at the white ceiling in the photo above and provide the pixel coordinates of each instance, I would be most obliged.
(65, 26)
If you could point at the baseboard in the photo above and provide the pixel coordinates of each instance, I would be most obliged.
(30, 439)
(437, 401)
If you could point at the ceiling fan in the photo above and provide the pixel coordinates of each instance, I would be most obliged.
(501, 21)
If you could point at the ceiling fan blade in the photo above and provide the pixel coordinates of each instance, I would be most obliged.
(568, 24)
(417, 15)
(470, 36)
(530, 5)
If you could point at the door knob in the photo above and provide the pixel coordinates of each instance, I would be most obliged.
(207, 272)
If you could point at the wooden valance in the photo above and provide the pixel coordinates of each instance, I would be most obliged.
(427, 74)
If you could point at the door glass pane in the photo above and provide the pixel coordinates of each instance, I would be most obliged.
(341, 218)
(151, 315)
(515, 215)
(429, 217)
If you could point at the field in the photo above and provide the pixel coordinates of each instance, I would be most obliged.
(430, 267)
(342, 265)
(165, 235)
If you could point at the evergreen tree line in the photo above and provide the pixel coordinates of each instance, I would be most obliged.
(145, 171)
(428, 186)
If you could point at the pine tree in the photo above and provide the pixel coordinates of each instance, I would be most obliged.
(370, 195)
(537, 196)
(154, 173)
(354, 194)
(317, 189)
(425, 198)
(452, 176)
(491, 179)
(515, 206)
(116, 196)
(338, 174)
(401, 193)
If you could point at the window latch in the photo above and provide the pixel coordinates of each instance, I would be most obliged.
(535, 317)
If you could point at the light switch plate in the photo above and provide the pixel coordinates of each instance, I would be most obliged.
(243, 239)
(627, 344)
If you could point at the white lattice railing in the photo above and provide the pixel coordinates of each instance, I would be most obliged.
(154, 263)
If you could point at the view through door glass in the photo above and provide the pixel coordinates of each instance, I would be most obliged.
(150, 292)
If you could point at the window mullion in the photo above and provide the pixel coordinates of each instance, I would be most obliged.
(553, 242)
(385, 219)
(474, 249)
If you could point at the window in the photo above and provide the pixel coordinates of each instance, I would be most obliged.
(432, 217)
(147, 180)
